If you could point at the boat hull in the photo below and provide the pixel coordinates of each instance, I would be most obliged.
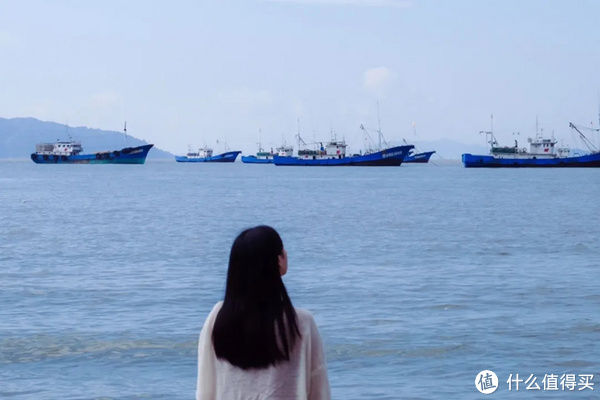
(388, 157)
(127, 155)
(420, 158)
(481, 161)
(229, 156)
(256, 160)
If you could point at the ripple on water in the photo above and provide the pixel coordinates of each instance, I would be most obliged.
(409, 272)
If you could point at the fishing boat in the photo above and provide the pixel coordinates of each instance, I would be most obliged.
(267, 157)
(392, 156)
(420, 158)
(333, 153)
(205, 154)
(261, 157)
(417, 158)
(542, 152)
(70, 152)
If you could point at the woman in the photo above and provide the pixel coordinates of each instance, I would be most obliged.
(255, 344)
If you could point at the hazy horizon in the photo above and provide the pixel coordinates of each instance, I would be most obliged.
(195, 73)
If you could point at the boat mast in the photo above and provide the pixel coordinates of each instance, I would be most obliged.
(368, 139)
(379, 126)
(69, 134)
(539, 132)
(492, 139)
(298, 137)
(590, 145)
(598, 113)
(259, 143)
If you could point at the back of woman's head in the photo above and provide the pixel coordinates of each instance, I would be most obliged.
(256, 326)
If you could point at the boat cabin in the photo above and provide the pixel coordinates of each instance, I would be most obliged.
(203, 152)
(59, 148)
(540, 146)
(265, 155)
(333, 149)
(285, 151)
(336, 149)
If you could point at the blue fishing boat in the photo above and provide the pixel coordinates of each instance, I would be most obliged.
(205, 154)
(262, 157)
(531, 160)
(334, 154)
(69, 152)
(268, 157)
(413, 157)
(542, 153)
(417, 158)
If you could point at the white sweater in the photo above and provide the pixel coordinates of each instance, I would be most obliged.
(304, 376)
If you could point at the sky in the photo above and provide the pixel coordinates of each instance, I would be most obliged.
(193, 72)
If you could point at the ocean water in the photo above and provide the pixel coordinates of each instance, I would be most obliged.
(418, 277)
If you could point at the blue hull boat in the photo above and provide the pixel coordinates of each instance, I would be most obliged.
(542, 153)
(485, 161)
(418, 157)
(229, 156)
(256, 160)
(392, 156)
(127, 155)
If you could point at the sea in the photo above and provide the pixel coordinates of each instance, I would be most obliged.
(419, 276)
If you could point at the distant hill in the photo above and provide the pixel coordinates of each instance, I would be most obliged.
(18, 137)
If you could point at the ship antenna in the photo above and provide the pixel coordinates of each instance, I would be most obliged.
(598, 110)
(67, 132)
(378, 125)
(125, 131)
(259, 144)
(298, 137)
(490, 133)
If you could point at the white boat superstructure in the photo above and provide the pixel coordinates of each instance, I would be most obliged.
(285, 151)
(539, 148)
(59, 148)
(333, 149)
(264, 155)
(203, 152)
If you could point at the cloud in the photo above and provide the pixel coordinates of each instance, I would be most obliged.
(360, 3)
(377, 79)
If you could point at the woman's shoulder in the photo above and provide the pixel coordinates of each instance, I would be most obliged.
(215, 308)
(303, 313)
(305, 318)
(212, 315)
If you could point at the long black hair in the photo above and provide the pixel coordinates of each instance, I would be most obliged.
(256, 326)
